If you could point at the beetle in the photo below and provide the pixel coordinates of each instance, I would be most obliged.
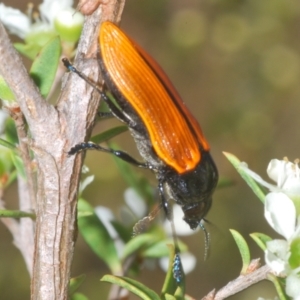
(167, 135)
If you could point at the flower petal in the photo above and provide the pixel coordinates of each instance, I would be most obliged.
(280, 213)
(50, 8)
(181, 227)
(275, 169)
(135, 202)
(293, 286)
(106, 216)
(276, 256)
(258, 178)
(14, 20)
(286, 174)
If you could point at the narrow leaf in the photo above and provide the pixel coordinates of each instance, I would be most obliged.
(5, 91)
(28, 50)
(243, 248)
(7, 144)
(137, 243)
(108, 134)
(278, 287)
(79, 296)
(17, 214)
(139, 183)
(225, 182)
(75, 283)
(261, 239)
(169, 297)
(249, 180)
(97, 237)
(160, 249)
(132, 286)
(123, 232)
(11, 134)
(18, 163)
(43, 69)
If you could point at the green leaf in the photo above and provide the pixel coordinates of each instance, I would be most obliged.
(139, 183)
(17, 214)
(43, 69)
(169, 297)
(6, 163)
(79, 296)
(243, 248)
(108, 134)
(132, 286)
(28, 50)
(225, 182)
(261, 239)
(249, 180)
(160, 249)
(278, 287)
(18, 163)
(69, 30)
(7, 144)
(11, 134)
(294, 259)
(5, 92)
(123, 232)
(75, 283)
(97, 237)
(34, 41)
(170, 286)
(137, 243)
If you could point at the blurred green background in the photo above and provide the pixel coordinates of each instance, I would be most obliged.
(236, 64)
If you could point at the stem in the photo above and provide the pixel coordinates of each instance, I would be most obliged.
(54, 131)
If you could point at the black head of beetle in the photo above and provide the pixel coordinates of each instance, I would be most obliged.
(193, 190)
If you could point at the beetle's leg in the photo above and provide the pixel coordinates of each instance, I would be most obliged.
(120, 154)
(177, 266)
(114, 109)
(105, 114)
(163, 199)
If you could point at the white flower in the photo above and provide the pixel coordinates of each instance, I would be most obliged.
(50, 8)
(106, 216)
(84, 183)
(22, 25)
(181, 227)
(17, 22)
(293, 286)
(282, 215)
(286, 174)
(135, 202)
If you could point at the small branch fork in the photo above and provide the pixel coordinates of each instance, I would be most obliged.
(52, 191)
